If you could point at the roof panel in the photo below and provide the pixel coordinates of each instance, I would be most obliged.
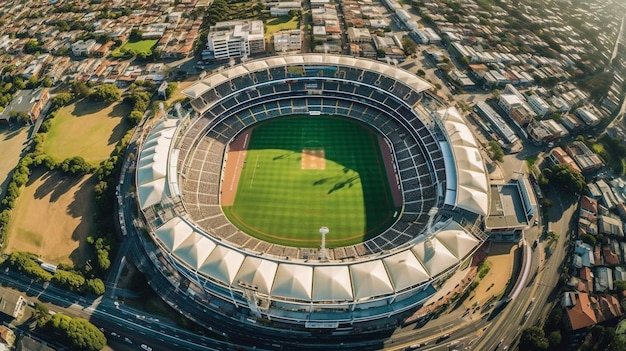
(293, 281)
(434, 256)
(331, 283)
(258, 273)
(173, 232)
(457, 240)
(222, 264)
(370, 279)
(405, 270)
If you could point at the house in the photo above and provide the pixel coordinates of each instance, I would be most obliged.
(7, 337)
(84, 48)
(583, 255)
(603, 279)
(559, 156)
(579, 312)
(12, 304)
(26, 343)
(30, 101)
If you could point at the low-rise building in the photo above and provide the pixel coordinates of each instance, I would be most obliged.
(288, 40)
(558, 156)
(12, 304)
(587, 160)
(84, 48)
(29, 101)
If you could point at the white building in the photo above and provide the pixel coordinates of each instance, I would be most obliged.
(288, 40)
(539, 105)
(282, 8)
(359, 35)
(236, 39)
(83, 48)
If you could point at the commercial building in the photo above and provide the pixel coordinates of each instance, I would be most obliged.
(235, 39)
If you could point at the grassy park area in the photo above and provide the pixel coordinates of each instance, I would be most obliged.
(86, 129)
(304, 173)
(52, 218)
(274, 25)
(138, 46)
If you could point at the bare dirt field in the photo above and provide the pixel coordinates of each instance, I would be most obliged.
(86, 129)
(11, 143)
(53, 217)
(500, 260)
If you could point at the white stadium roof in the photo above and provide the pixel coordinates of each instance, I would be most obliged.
(318, 282)
(152, 165)
(468, 184)
(196, 90)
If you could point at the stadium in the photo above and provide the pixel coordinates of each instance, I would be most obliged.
(417, 150)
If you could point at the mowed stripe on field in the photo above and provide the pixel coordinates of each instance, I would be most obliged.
(280, 202)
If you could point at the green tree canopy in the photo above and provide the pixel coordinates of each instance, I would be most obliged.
(562, 175)
(79, 333)
(533, 339)
(106, 92)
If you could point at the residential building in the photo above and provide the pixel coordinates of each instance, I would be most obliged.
(7, 337)
(359, 35)
(289, 40)
(282, 8)
(585, 158)
(588, 117)
(539, 105)
(84, 48)
(235, 39)
(495, 120)
(579, 312)
(27, 343)
(31, 101)
(12, 304)
(559, 156)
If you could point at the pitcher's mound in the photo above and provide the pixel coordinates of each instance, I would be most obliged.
(313, 159)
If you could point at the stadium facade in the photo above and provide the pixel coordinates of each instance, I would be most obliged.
(222, 269)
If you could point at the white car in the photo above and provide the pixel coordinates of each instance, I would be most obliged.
(146, 347)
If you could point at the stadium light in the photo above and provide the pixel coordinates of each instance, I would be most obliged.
(323, 231)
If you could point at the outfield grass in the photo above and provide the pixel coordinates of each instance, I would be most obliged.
(278, 201)
(280, 23)
(86, 129)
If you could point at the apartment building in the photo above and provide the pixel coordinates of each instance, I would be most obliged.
(235, 39)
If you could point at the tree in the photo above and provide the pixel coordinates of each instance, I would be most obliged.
(76, 166)
(171, 88)
(409, 45)
(533, 339)
(79, 333)
(106, 93)
(94, 286)
(421, 73)
(69, 280)
(135, 117)
(80, 89)
(554, 339)
(380, 53)
(60, 100)
(618, 344)
(562, 175)
(32, 46)
(496, 151)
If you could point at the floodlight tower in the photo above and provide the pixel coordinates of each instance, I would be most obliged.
(323, 231)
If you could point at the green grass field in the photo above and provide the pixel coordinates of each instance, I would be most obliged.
(137, 46)
(280, 23)
(279, 202)
(86, 129)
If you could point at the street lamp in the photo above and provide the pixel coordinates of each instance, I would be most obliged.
(323, 231)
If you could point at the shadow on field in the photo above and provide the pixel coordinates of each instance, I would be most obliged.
(117, 133)
(88, 107)
(9, 133)
(54, 183)
(82, 206)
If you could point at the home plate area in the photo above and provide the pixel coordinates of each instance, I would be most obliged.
(313, 159)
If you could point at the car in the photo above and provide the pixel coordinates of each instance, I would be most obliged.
(115, 334)
(127, 340)
(146, 347)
